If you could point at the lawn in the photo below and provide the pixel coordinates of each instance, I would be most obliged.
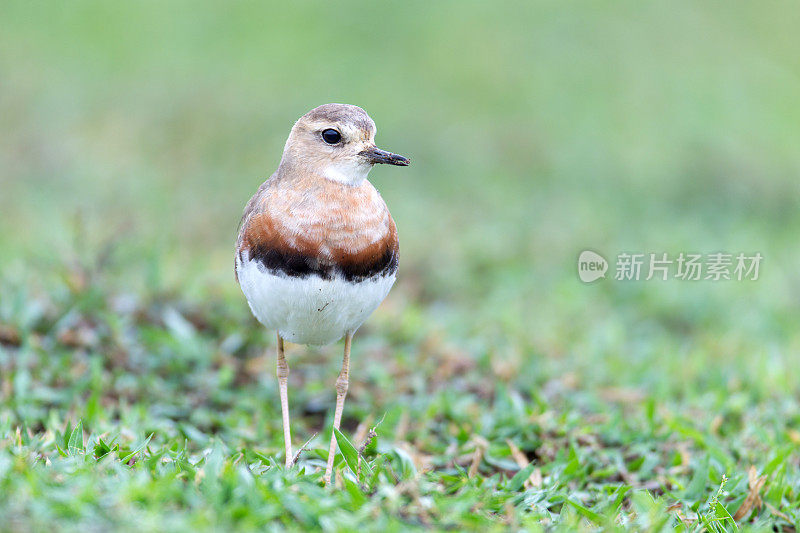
(492, 389)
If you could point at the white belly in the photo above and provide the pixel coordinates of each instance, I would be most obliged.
(310, 310)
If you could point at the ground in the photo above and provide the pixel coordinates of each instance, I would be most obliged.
(138, 393)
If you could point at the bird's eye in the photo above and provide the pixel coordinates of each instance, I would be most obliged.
(331, 136)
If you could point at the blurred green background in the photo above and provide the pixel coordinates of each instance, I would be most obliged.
(536, 130)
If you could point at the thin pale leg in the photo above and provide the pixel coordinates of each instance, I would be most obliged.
(283, 385)
(341, 391)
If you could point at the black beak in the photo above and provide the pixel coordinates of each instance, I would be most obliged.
(376, 155)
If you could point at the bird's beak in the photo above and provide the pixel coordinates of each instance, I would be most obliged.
(376, 155)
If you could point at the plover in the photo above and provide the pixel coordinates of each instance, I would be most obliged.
(317, 249)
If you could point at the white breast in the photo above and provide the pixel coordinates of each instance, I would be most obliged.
(309, 310)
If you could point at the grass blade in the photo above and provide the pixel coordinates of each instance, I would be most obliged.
(516, 482)
(348, 451)
(586, 512)
(138, 449)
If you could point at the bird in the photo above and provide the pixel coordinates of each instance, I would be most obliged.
(317, 249)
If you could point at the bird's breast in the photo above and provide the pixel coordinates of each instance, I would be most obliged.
(327, 230)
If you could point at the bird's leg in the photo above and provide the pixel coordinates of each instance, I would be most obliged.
(341, 391)
(283, 385)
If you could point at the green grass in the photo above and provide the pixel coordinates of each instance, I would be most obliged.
(137, 392)
(178, 424)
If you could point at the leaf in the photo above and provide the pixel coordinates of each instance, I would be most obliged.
(65, 437)
(75, 443)
(355, 461)
(585, 511)
(778, 460)
(365, 467)
(348, 451)
(101, 448)
(516, 482)
(358, 498)
(378, 466)
(138, 449)
(621, 492)
(408, 469)
(722, 512)
(573, 467)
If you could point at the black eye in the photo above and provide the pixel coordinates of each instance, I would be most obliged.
(331, 136)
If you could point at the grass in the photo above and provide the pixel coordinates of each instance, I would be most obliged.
(147, 410)
(137, 392)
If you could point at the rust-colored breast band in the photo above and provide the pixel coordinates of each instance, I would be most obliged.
(263, 241)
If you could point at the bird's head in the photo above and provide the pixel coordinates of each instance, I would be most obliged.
(338, 142)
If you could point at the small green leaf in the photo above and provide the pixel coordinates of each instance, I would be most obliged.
(65, 437)
(516, 482)
(366, 469)
(407, 467)
(780, 457)
(138, 449)
(102, 448)
(722, 513)
(356, 495)
(61, 451)
(378, 466)
(585, 511)
(348, 450)
(75, 444)
(620, 496)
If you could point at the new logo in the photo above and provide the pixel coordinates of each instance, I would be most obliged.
(591, 266)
